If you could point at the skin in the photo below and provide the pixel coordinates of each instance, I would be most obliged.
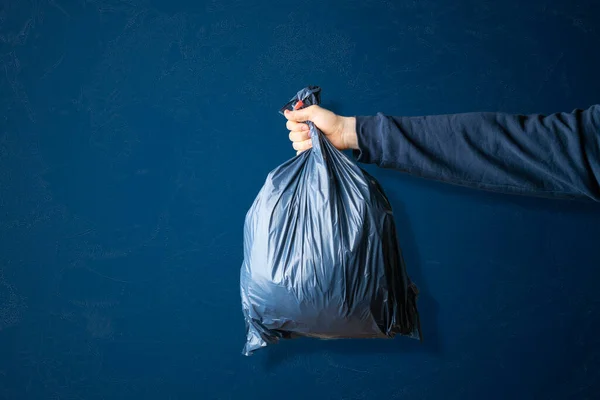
(341, 131)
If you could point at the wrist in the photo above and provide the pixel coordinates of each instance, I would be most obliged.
(349, 134)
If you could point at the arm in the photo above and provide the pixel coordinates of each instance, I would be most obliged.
(557, 155)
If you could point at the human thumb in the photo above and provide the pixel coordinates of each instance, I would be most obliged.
(302, 115)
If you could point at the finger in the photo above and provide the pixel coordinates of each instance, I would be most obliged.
(300, 115)
(299, 136)
(296, 126)
(304, 145)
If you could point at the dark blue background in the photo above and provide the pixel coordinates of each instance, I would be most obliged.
(134, 135)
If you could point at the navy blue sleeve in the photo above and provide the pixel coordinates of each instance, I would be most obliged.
(555, 155)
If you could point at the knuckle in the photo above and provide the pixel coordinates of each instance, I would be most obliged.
(298, 136)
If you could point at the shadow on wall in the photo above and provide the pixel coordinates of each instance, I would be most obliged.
(286, 350)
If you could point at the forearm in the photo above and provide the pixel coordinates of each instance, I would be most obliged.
(556, 155)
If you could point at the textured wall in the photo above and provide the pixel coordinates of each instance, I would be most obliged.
(134, 136)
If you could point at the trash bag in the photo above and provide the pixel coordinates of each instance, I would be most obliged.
(321, 256)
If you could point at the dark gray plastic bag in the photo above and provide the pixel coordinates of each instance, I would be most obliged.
(321, 255)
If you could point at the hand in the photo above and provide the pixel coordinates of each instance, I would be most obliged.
(341, 131)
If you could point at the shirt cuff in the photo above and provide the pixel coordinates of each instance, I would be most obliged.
(368, 133)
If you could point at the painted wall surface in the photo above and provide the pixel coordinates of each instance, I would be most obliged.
(135, 134)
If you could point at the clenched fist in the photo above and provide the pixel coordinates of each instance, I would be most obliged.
(341, 131)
